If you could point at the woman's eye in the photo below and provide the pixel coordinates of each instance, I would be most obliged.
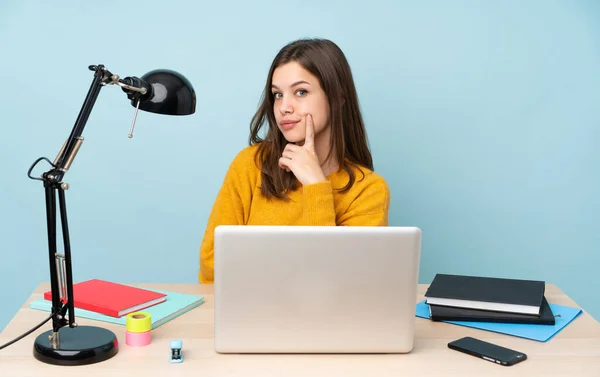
(277, 95)
(301, 92)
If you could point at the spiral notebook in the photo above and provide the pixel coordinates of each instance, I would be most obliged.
(175, 305)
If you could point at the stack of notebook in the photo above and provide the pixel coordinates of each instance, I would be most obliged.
(106, 301)
(487, 299)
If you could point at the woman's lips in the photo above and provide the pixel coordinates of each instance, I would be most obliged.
(289, 124)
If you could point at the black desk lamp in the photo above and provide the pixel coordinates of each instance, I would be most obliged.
(158, 91)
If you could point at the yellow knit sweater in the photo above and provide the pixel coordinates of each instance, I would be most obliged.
(240, 202)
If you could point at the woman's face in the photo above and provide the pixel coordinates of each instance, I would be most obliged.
(297, 93)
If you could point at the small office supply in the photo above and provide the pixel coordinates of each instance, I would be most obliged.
(135, 339)
(112, 299)
(542, 333)
(138, 322)
(176, 351)
(487, 351)
(159, 91)
(448, 313)
(315, 289)
(138, 328)
(175, 305)
(487, 293)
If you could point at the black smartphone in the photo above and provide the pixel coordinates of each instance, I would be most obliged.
(487, 351)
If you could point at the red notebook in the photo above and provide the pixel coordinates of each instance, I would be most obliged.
(112, 299)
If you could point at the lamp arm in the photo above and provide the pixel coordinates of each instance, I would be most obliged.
(65, 156)
(61, 276)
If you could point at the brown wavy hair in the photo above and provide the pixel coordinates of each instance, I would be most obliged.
(326, 61)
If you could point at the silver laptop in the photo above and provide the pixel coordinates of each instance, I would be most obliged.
(315, 289)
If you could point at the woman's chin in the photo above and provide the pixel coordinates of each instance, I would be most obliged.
(292, 138)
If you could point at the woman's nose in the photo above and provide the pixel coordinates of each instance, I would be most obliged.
(286, 106)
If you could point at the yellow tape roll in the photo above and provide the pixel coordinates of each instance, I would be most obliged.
(138, 322)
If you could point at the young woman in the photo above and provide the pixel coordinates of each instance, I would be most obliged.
(313, 166)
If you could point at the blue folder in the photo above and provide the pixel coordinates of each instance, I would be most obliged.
(542, 333)
(175, 305)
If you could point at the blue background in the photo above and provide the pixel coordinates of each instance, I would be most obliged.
(482, 115)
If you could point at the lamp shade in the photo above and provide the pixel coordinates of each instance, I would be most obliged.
(170, 93)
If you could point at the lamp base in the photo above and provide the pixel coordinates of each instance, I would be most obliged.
(80, 345)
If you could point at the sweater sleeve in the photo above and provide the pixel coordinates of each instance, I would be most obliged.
(231, 207)
(370, 207)
(319, 208)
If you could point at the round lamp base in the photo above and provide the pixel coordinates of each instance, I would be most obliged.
(80, 345)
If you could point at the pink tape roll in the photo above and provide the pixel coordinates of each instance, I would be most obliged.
(137, 339)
